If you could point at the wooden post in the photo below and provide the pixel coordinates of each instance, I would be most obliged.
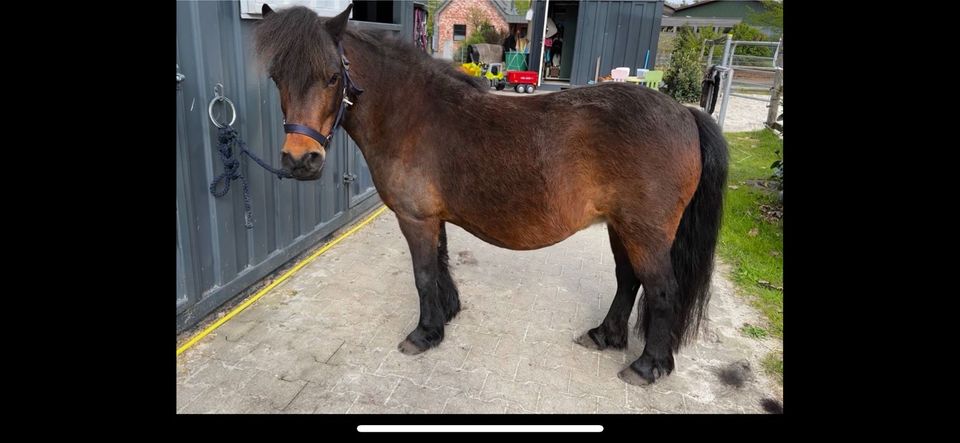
(775, 98)
(777, 89)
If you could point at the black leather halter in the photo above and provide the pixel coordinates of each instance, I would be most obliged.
(349, 87)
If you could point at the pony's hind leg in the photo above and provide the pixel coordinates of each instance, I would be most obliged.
(612, 332)
(648, 249)
(657, 310)
(423, 237)
(449, 295)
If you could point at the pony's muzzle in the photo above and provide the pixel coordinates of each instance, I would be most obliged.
(307, 166)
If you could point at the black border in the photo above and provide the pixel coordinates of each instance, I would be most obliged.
(125, 205)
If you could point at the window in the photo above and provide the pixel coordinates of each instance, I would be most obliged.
(325, 8)
(377, 11)
(459, 32)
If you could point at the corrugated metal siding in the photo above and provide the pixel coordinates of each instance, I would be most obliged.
(217, 258)
(618, 31)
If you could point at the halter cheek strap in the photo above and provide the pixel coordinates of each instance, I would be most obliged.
(349, 87)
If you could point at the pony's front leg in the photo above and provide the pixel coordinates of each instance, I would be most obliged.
(422, 237)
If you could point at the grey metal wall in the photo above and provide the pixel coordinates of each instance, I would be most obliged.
(618, 31)
(217, 257)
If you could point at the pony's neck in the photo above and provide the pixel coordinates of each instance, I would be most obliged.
(393, 90)
(366, 71)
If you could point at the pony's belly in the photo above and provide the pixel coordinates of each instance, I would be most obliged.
(525, 236)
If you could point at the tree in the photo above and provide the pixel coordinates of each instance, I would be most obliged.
(771, 17)
(475, 18)
(432, 6)
(521, 6)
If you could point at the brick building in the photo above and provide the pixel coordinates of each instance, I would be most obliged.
(453, 25)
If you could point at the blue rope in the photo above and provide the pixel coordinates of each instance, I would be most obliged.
(229, 138)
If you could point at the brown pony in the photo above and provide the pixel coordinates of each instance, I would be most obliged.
(438, 150)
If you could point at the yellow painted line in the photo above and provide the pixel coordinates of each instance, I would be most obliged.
(276, 282)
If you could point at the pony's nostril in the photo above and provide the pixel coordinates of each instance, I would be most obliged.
(314, 157)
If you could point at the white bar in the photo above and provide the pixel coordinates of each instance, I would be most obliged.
(546, 11)
(480, 428)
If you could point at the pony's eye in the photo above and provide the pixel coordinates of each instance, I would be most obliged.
(333, 79)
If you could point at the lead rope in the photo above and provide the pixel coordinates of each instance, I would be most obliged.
(229, 139)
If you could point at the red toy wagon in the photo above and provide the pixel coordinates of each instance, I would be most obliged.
(523, 81)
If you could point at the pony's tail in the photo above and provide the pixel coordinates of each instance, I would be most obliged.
(696, 239)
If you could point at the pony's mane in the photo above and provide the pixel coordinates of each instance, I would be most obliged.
(292, 42)
(388, 45)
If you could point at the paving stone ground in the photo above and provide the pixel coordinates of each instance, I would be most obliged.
(325, 340)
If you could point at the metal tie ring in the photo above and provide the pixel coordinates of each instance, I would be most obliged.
(219, 97)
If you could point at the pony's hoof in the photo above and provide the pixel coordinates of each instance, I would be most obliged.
(421, 339)
(597, 339)
(407, 347)
(646, 369)
(629, 376)
(587, 341)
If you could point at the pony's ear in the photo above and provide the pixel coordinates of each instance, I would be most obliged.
(265, 11)
(338, 24)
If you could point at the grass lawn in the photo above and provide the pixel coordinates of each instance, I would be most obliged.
(751, 242)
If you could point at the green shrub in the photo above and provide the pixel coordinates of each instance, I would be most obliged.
(745, 32)
(683, 76)
(482, 33)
